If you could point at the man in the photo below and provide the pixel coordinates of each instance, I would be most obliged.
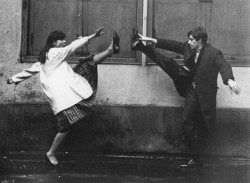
(196, 81)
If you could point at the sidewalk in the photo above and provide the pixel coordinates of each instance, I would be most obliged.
(30, 167)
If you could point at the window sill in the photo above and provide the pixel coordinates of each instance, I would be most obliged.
(75, 60)
(133, 61)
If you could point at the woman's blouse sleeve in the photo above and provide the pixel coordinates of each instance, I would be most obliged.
(60, 54)
(27, 73)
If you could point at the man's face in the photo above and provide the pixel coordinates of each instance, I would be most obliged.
(193, 43)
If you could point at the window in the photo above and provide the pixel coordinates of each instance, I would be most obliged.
(81, 17)
(227, 23)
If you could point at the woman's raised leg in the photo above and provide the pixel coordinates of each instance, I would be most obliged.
(113, 48)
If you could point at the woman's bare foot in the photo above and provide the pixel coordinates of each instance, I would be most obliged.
(51, 159)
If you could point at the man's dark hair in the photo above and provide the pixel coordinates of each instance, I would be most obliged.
(198, 33)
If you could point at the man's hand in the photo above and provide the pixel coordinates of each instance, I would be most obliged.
(147, 39)
(233, 87)
(99, 32)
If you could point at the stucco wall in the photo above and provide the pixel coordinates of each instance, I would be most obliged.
(130, 85)
(138, 85)
(10, 41)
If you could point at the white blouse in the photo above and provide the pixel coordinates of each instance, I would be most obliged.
(62, 86)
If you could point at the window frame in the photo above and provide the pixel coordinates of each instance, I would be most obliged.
(25, 58)
(234, 62)
(138, 59)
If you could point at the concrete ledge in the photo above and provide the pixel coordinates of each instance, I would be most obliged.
(32, 126)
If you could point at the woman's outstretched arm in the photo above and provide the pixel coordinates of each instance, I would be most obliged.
(25, 74)
(81, 41)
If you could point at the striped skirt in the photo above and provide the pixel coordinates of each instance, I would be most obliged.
(86, 68)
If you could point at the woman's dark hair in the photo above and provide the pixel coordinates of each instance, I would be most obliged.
(52, 38)
(198, 33)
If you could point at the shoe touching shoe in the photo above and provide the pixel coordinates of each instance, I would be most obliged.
(51, 160)
(191, 163)
(135, 42)
(116, 43)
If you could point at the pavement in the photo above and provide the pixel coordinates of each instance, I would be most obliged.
(30, 167)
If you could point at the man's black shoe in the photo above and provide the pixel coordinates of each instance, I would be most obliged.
(116, 43)
(191, 163)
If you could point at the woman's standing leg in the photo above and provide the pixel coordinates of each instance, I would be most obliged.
(51, 154)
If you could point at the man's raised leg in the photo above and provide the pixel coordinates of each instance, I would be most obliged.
(180, 76)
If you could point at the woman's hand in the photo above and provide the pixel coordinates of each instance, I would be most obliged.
(99, 32)
(9, 81)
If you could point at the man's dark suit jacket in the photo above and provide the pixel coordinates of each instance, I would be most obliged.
(205, 73)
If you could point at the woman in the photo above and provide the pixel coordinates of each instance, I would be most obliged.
(70, 92)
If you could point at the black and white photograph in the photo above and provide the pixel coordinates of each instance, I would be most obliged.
(124, 91)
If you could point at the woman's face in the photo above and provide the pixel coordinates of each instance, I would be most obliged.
(60, 43)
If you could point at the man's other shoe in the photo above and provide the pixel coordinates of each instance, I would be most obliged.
(191, 163)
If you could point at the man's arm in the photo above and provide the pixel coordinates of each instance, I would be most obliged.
(165, 44)
(227, 74)
(170, 45)
(25, 74)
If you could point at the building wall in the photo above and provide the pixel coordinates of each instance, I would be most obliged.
(10, 39)
(128, 85)
(138, 103)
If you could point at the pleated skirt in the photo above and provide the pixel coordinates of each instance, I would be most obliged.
(87, 68)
